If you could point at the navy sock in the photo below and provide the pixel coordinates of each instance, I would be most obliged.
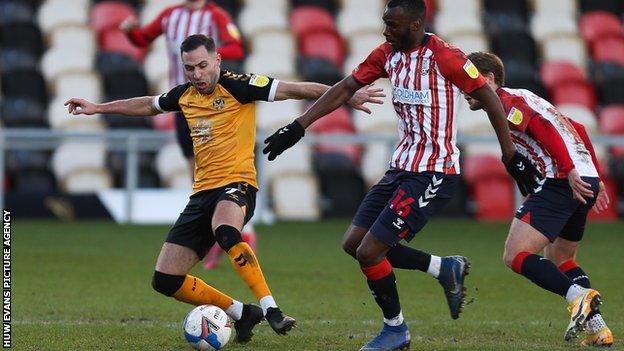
(405, 257)
(573, 271)
(542, 272)
(382, 283)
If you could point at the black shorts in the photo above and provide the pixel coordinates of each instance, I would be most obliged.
(193, 228)
(402, 202)
(555, 213)
(183, 135)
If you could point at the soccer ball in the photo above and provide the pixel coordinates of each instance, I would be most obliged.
(207, 327)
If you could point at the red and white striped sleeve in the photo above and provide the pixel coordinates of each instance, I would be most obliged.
(231, 47)
(580, 129)
(373, 66)
(455, 66)
(548, 136)
(144, 36)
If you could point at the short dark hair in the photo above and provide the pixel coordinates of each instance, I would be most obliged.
(196, 40)
(489, 63)
(417, 8)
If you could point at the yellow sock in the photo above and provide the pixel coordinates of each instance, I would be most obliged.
(196, 292)
(246, 265)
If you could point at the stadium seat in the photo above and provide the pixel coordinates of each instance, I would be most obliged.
(581, 114)
(23, 112)
(233, 7)
(360, 16)
(518, 7)
(602, 72)
(296, 160)
(518, 46)
(556, 7)
(24, 83)
(470, 42)
(450, 23)
(273, 115)
(262, 16)
(574, 93)
(118, 85)
(383, 118)
(308, 19)
(472, 122)
(74, 37)
(59, 118)
(596, 25)
(57, 61)
(329, 5)
(361, 45)
(172, 167)
(327, 45)
(304, 206)
(545, 24)
(107, 15)
(341, 183)
(565, 48)
(337, 122)
(273, 65)
(614, 6)
(156, 66)
(15, 12)
(112, 62)
(522, 75)
(86, 85)
(553, 73)
(497, 23)
(80, 167)
(609, 49)
(612, 119)
(21, 36)
(115, 40)
(611, 213)
(16, 59)
(459, 7)
(611, 91)
(153, 8)
(147, 177)
(56, 13)
(375, 161)
(316, 69)
(490, 187)
(32, 181)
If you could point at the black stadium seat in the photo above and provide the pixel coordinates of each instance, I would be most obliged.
(330, 5)
(611, 91)
(233, 7)
(519, 46)
(25, 83)
(614, 6)
(16, 59)
(16, 12)
(497, 23)
(110, 62)
(24, 36)
(29, 171)
(520, 74)
(601, 72)
(148, 178)
(23, 112)
(124, 84)
(518, 7)
(318, 70)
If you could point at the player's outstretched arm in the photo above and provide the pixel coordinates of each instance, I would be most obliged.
(347, 90)
(139, 106)
(517, 165)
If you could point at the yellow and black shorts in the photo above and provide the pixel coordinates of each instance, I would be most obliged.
(193, 228)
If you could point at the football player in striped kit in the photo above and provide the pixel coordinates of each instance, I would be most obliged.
(428, 77)
(552, 217)
(176, 23)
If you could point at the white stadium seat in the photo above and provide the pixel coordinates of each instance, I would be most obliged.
(265, 15)
(581, 114)
(375, 161)
(59, 118)
(470, 42)
(383, 118)
(544, 25)
(80, 166)
(565, 48)
(56, 13)
(297, 159)
(153, 8)
(296, 197)
(78, 84)
(74, 36)
(556, 7)
(472, 122)
(273, 115)
(173, 167)
(450, 23)
(57, 61)
(360, 16)
(462, 7)
(156, 66)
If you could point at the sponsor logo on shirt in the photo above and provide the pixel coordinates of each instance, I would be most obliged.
(413, 97)
(515, 116)
(471, 69)
(233, 31)
(258, 80)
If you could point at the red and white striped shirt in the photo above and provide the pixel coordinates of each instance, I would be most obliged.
(178, 22)
(427, 84)
(553, 142)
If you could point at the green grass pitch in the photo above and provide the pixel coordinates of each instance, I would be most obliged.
(86, 286)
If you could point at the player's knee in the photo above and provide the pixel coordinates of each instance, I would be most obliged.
(365, 255)
(508, 257)
(167, 284)
(227, 236)
(350, 247)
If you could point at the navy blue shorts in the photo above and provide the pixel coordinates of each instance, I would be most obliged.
(402, 202)
(555, 213)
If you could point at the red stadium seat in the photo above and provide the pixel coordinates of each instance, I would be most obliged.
(595, 25)
(108, 15)
(554, 73)
(612, 119)
(609, 49)
(574, 93)
(308, 19)
(338, 122)
(115, 40)
(328, 45)
(490, 187)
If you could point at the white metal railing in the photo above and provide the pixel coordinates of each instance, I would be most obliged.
(133, 142)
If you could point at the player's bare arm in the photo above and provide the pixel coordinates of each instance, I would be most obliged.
(138, 106)
(310, 90)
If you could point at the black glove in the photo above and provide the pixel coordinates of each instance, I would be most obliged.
(283, 139)
(527, 176)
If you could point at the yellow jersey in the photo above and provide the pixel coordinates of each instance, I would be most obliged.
(222, 125)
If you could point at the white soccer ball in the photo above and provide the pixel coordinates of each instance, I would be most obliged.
(207, 327)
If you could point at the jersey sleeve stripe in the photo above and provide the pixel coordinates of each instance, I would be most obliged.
(156, 103)
(273, 90)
